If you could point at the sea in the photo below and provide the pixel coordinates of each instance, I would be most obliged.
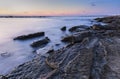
(16, 52)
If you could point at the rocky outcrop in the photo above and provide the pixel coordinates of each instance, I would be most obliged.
(91, 54)
(29, 36)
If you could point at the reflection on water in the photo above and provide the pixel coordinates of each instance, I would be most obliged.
(14, 53)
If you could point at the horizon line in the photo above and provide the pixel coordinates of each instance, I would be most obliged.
(12, 16)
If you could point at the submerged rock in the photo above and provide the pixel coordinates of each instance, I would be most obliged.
(6, 54)
(29, 36)
(41, 43)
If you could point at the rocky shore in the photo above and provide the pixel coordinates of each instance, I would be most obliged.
(91, 53)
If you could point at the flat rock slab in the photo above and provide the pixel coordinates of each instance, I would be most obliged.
(29, 36)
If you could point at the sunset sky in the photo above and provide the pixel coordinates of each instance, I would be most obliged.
(59, 7)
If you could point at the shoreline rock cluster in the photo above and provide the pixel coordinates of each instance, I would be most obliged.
(92, 53)
(39, 43)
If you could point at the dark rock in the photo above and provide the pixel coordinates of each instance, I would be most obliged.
(30, 36)
(41, 43)
(77, 28)
(63, 28)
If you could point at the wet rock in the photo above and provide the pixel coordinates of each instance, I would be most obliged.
(78, 28)
(63, 28)
(41, 43)
(30, 36)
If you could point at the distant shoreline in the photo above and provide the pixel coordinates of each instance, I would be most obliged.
(24, 16)
(12, 16)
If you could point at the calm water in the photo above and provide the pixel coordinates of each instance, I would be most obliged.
(19, 52)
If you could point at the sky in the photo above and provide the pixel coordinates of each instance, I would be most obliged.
(59, 7)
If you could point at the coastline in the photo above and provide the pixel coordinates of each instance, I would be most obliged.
(90, 54)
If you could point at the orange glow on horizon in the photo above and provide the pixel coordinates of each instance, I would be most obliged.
(59, 12)
(49, 12)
